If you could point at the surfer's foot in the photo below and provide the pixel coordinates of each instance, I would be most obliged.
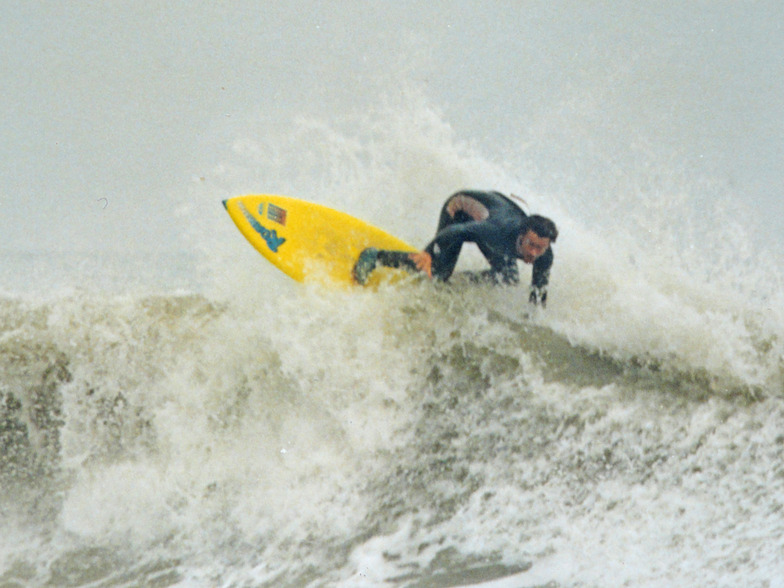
(365, 265)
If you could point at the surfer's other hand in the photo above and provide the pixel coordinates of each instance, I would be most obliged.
(423, 262)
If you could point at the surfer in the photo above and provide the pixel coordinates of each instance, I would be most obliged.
(498, 226)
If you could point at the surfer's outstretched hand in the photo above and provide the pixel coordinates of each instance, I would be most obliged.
(423, 262)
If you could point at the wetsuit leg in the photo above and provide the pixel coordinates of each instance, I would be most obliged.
(445, 219)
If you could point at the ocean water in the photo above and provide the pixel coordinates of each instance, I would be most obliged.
(220, 425)
(187, 416)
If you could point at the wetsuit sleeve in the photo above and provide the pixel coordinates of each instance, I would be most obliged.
(540, 277)
(505, 269)
(444, 249)
(507, 275)
(453, 236)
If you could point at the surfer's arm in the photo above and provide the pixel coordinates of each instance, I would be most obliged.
(508, 276)
(453, 236)
(540, 277)
(503, 270)
(423, 262)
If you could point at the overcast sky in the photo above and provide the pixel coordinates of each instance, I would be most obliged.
(128, 101)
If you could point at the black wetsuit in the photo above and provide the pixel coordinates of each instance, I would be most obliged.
(495, 224)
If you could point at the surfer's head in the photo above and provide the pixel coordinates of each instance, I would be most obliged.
(540, 233)
(543, 227)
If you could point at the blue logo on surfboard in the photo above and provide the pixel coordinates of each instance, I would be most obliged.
(269, 236)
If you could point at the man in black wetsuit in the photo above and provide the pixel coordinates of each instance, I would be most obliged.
(501, 230)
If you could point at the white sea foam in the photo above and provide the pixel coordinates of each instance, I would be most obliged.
(210, 422)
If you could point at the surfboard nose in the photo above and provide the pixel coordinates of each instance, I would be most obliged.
(226, 206)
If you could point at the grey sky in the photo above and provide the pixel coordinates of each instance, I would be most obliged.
(128, 100)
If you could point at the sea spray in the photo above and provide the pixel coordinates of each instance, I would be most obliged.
(263, 432)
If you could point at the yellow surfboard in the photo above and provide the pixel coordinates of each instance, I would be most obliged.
(308, 241)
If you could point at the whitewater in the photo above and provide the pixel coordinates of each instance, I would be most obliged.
(175, 412)
(234, 428)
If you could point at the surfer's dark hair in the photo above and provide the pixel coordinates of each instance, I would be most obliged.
(543, 227)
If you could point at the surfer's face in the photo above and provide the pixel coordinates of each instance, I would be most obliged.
(530, 246)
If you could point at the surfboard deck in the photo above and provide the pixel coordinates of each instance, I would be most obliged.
(308, 241)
